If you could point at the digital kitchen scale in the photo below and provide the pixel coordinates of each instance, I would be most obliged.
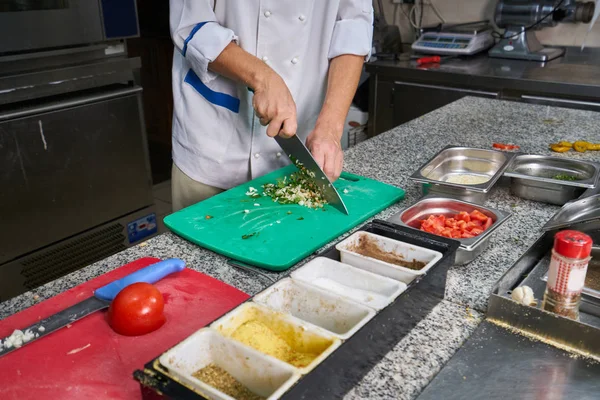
(459, 39)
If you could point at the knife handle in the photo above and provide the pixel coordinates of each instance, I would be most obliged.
(150, 274)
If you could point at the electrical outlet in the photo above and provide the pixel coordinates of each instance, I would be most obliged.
(403, 1)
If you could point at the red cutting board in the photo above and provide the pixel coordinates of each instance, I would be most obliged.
(103, 370)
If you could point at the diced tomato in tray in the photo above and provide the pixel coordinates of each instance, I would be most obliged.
(460, 226)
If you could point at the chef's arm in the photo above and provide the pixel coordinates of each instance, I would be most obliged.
(344, 74)
(272, 101)
(350, 46)
(212, 49)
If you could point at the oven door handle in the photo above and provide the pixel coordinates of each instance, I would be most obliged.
(79, 101)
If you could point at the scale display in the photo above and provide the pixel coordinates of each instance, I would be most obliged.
(454, 43)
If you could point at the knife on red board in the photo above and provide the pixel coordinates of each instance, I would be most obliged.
(100, 300)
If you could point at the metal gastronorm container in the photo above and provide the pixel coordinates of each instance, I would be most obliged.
(431, 205)
(452, 161)
(532, 178)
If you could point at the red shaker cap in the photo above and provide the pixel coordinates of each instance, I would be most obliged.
(573, 244)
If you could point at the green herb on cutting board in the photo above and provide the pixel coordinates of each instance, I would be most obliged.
(298, 188)
(564, 177)
(248, 236)
(301, 219)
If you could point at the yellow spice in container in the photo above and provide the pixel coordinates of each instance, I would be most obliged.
(257, 335)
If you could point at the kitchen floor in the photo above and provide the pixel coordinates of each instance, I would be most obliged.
(162, 200)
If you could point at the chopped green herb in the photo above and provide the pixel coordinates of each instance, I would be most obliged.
(248, 236)
(301, 219)
(562, 177)
(289, 213)
(298, 188)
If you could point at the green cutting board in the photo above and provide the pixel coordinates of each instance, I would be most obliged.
(277, 236)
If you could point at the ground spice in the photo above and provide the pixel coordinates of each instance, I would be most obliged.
(567, 272)
(369, 248)
(220, 379)
(565, 305)
(257, 335)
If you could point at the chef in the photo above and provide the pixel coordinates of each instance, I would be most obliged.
(246, 71)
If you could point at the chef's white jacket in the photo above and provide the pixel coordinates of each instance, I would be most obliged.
(217, 139)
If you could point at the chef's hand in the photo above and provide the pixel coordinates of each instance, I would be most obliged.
(324, 142)
(274, 105)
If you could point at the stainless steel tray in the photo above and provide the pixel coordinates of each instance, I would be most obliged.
(544, 168)
(429, 205)
(575, 212)
(452, 161)
(581, 336)
(532, 178)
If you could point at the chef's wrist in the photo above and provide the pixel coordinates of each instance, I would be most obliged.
(331, 123)
(261, 76)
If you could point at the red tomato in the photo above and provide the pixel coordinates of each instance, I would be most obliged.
(137, 310)
(502, 146)
(487, 224)
(478, 215)
(463, 216)
(462, 226)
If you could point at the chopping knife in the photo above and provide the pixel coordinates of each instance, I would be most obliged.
(101, 300)
(294, 148)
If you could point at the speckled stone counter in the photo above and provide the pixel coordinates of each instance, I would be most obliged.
(391, 158)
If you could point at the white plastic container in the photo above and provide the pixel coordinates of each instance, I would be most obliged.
(302, 337)
(370, 289)
(332, 312)
(262, 375)
(406, 251)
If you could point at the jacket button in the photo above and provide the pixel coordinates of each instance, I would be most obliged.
(265, 58)
(256, 155)
(267, 14)
(295, 60)
(302, 18)
(278, 155)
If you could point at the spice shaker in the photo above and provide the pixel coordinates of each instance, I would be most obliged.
(566, 275)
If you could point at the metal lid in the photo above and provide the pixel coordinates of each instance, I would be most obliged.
(573, 244)
(585, 209)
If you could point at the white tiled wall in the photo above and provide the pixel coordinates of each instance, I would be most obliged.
(473, 10)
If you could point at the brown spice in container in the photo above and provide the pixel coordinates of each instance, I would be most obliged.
(220, 379)
(369, 248)
(561, 304)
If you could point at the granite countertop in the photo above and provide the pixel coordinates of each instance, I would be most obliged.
(392, 157)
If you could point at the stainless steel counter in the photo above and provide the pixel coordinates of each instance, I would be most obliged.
(498, 364)
(402, 91)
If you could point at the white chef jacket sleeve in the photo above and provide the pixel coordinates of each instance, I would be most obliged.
(353, 31)
(197, 34)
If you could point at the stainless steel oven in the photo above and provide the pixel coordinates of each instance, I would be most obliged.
(27, 25)
(74, 168)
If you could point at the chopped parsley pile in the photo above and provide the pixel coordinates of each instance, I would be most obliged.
(298, 188)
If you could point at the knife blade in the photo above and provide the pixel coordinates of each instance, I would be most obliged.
(294, 148)
(101, 300)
